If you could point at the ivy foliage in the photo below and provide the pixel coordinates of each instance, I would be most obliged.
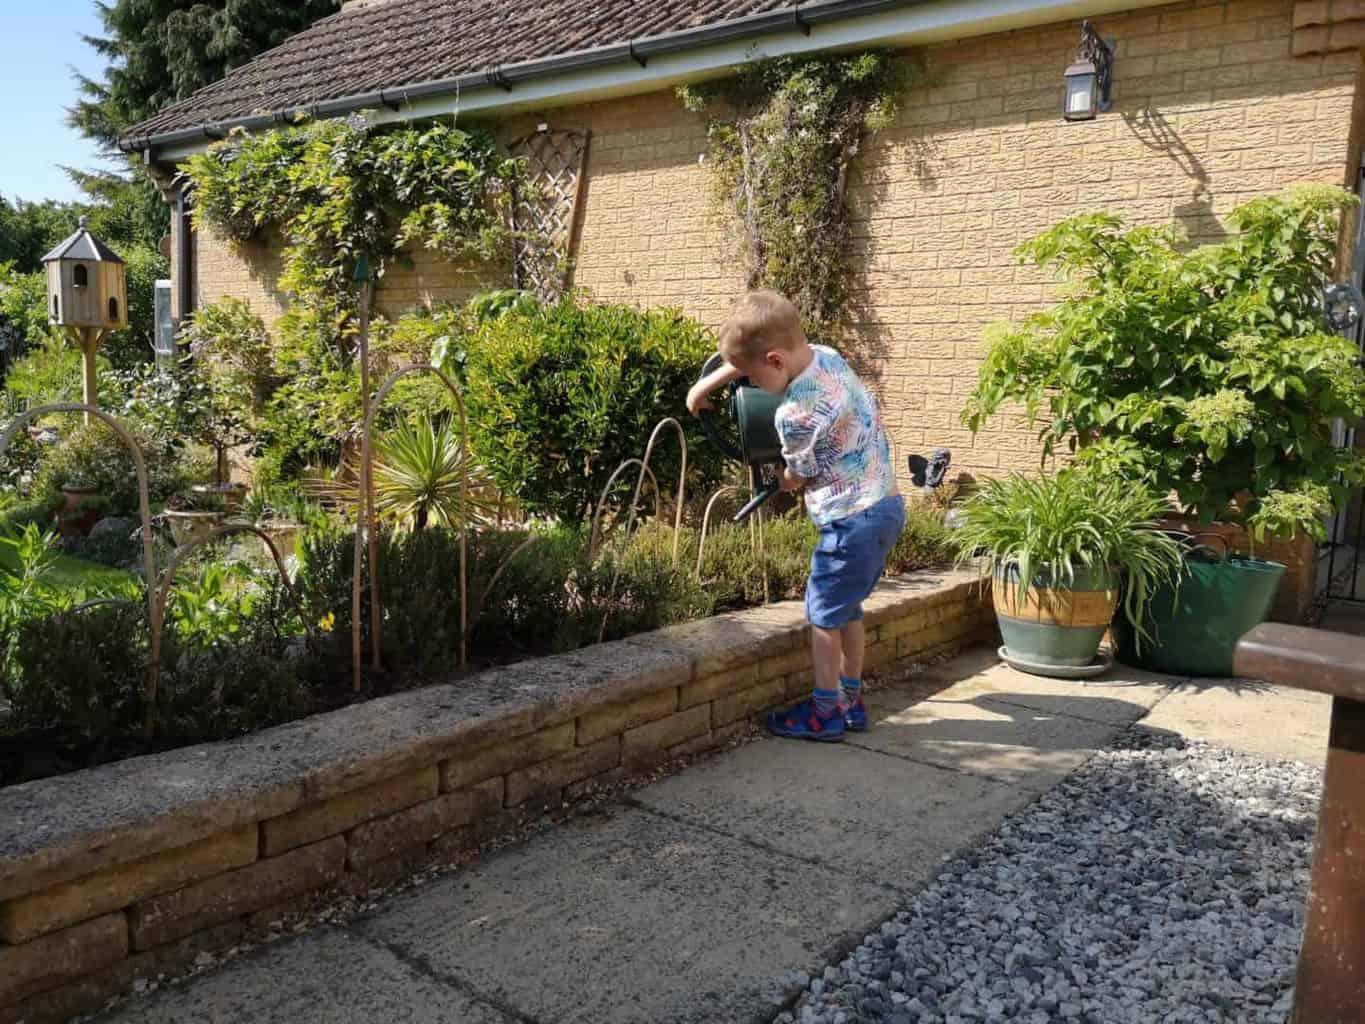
(782, 135)
(335, 190)
(1207, 372)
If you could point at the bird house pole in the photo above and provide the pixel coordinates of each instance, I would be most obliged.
(88, 339)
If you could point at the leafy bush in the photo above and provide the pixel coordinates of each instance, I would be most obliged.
(50, 371)
(23, 312)
(132, 346)
(559, 396)
(95, 456)
(927, 541)
(1206, 373)
(81, 671)
(313, 414)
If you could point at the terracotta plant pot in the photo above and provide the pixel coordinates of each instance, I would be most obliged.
(71, 520)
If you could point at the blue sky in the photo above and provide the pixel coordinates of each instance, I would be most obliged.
(40, 41)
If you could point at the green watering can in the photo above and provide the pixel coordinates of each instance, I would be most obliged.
(756, 444)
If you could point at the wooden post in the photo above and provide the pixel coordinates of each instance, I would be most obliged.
(1330, 985)
(88, 340)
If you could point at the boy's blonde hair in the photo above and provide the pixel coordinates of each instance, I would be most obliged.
(758, 323)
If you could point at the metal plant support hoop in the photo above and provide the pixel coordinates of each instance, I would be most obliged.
(163, 588)
(602, 501)
(635, 501)
(144, 510)
(365, 524)
(756, 542)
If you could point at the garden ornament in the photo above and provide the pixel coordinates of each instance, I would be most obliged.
(929, 473)
(1341, 306)
(754, 412)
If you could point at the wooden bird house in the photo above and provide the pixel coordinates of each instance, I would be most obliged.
(87, 295)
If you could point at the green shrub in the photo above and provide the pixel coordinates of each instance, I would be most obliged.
(23, 311)
(560, 396)
(132, 346)
(927, 542)
(50, 371)
(1207, 373)
(96, 456)
(81, 671)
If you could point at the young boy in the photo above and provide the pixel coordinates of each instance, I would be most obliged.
(834, 446)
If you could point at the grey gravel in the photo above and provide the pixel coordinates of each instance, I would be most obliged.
(1164, 882)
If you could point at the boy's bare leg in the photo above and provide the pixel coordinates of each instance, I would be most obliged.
(853, 644)
(826, 651)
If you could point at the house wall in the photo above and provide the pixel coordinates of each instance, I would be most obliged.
(1211, 108)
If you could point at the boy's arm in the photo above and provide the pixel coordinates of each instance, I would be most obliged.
(801, 431)
(698, 396)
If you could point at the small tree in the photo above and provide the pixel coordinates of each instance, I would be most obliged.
(1207, 373)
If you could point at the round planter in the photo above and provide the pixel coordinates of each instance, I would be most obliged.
(284, 535)
(232, 494)
(191, 526)
(1054, 625)
(1193, 629)
(71, 520)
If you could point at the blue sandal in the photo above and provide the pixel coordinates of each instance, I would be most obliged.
(803, 722)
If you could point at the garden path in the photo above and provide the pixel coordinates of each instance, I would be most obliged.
(701, 897)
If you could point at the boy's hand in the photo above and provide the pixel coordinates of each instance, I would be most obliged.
(698, 398)
(789, 481)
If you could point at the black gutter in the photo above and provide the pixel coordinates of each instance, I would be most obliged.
(800, 17)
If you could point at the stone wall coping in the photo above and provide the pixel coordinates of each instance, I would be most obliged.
(55, 830)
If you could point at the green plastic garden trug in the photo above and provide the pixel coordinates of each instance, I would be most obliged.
(1194, 627)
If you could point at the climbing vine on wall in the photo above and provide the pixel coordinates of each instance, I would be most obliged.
(336, 189)
(782, 135)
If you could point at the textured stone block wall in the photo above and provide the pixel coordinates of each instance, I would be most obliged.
(88, 908)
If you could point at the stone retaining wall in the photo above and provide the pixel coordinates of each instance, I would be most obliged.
(133, 869)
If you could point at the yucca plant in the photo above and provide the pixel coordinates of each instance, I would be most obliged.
(417, 468)
(1047, 531)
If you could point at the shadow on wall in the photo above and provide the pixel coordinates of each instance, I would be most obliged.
(866, 340)
(1196, 214)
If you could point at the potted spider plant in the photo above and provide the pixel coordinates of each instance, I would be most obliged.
(1063, 551)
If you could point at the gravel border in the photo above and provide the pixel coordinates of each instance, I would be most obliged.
(1164, 881)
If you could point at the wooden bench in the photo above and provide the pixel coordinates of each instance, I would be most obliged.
(1330, 986)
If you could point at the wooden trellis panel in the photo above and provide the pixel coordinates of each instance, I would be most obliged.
(546, 214)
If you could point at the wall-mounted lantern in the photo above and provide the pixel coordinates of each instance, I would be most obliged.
(87, 294)
(1089, 77)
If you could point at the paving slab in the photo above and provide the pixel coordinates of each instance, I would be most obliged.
(1119, 697)
(983, 736)
(879, 817)
(1270, 721)
(630, 916)
(326, 976)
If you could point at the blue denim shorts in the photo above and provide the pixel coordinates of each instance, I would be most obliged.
(849, 557)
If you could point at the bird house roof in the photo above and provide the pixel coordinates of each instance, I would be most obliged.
(83, 246)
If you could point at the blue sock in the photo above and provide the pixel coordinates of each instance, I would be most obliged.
(826, 701)
(851, 688)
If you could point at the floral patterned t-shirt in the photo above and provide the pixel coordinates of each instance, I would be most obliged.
(832, 435)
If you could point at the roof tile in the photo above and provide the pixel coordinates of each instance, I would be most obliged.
(398, 43)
